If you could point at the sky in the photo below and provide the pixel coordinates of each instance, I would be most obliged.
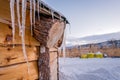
(89, 17)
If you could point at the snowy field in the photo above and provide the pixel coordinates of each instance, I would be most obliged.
(89, 69)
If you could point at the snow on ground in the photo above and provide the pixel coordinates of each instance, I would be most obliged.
(89, 69)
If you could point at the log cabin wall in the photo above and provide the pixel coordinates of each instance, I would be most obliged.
(43, 64)
(12, 63)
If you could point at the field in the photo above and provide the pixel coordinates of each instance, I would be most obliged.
(89, 69)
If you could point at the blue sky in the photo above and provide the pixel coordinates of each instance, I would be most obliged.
(89, 17)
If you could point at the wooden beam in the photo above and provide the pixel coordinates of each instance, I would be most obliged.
(55, 33)
(10, 55)
(49, 33)
(43, 62)
(19, 72)
(6, 36)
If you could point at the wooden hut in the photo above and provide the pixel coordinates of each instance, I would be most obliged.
(41, 46)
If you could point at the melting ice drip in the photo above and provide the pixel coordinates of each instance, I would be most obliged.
(52, 13)
(12, 18)
(31, 1)
(21, 21)
(64, 45)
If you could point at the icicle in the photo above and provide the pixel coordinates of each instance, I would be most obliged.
(18, 15)
(60, 18)
(24, 3)
(52, 15)
(69, 28)
(64, 45)
(38, 9)
(34, 5)
(12, 3)
(31, 16)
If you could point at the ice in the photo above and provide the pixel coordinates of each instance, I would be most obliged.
(24, 3)
(18, 16)
(64, 45)
(21, 19)
(12, 4)
(52, 13)
(31, 11)
(60, 18)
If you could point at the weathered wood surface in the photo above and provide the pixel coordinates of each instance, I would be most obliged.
(19, 72)
(53, 56)
(53, 49)
(49, 32)
(10, 55)
(55, 33)
(5, 10)
(53, 66)
(43, 62)
(6, 36)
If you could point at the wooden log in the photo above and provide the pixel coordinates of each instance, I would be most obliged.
(10, 55)
(53, 50)
(53, 65)
(43, 62)
(6, 36)
(53, 56)
(55, 33)
(19, 72)
(53, 70)
(48, 32)
(5, 10)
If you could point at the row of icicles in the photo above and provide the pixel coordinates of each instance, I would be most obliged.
(21, 19)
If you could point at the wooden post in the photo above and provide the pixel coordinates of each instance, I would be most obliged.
(43, 62)
(50, 35)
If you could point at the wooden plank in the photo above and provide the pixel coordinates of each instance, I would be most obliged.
(19, 72)
(53, 70)
(6, 36)
(5, 12)
(53, 56)
(43, 63)
(53, 66)
(10, 55)
(4, 9)
(53, 49)
(6, 19)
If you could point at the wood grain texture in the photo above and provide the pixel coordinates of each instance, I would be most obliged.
(53, 66)
(19, 72)
(10, 55)
(55, 33)
(6, 36)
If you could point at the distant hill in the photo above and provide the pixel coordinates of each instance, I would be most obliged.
(93, 39)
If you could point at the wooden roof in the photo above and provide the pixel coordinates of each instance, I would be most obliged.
(45, 9)
(48, 10)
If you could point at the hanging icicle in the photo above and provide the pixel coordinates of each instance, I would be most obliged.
(18, 16)
(31, 16)
(24, 3)
(52, 13)
(12, 4)
(64, 45)
(60, 18)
